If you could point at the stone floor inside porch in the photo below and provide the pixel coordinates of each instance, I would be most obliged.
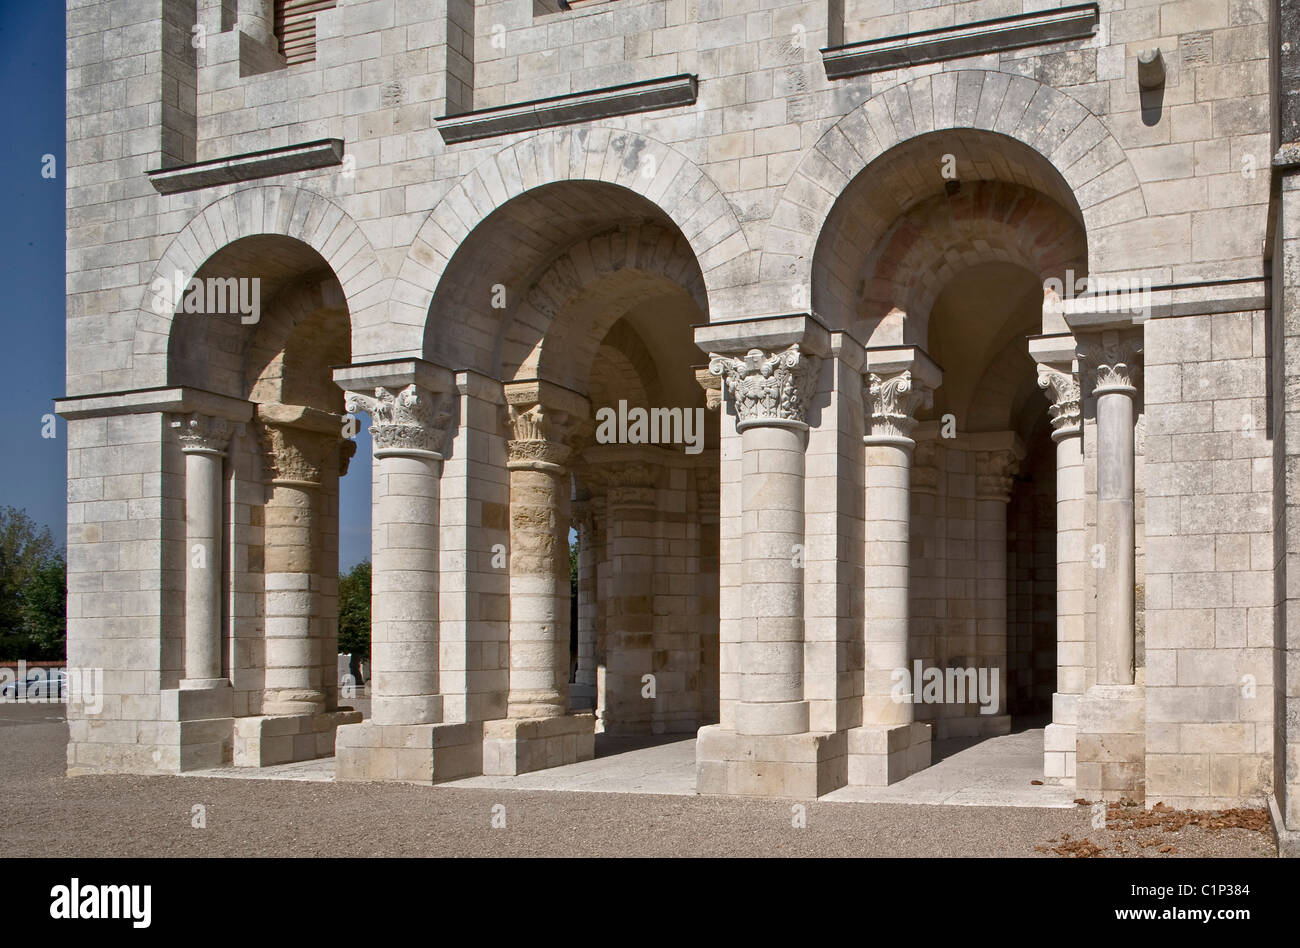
(996, 771)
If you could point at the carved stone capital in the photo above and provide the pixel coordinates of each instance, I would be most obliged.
(768, 389)
(413, 420)
(347, 450)
(712, 385)
(1111, 361)
(925, 467)
(203, 434)
(295, 456)
(892, 403)
(544, 421)
(994, 474)
(1063, 391)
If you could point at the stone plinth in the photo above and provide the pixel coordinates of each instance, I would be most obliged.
(410, 753)
(521, 745)
(791, 766)
(1111, 743)
(199, 721)
(881, 755)
(263, 740)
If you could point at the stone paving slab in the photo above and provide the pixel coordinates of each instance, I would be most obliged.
(994, 772)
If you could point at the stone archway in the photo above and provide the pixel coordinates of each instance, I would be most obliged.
(1077, 154)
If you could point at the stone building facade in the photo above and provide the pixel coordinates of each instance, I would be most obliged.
(878, 245)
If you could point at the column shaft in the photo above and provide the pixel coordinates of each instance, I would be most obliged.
(203, 566)
(1115, 534)
(888, 586)
(539, 594)
(772, 700)
(404, 605)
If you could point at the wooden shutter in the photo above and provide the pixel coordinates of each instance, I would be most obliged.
(295, 28)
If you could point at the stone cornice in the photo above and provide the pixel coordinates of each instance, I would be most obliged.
(175, 399)
(591, 106)
(953, 42)
(305, 156)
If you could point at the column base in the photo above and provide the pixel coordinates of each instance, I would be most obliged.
(264, 740)
(409, 753)
(1110, 748)
(789, 766)
(513, 746)
(198, 720)
(1060, 739)
(883, 754)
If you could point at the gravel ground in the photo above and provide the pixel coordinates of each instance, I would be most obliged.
(43, 813)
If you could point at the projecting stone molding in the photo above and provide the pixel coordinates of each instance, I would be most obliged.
(249, 167)
(568, 109)
(955, 42)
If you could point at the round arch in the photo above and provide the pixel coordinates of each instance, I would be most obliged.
(657, 173)
(1081, 153)
(268, 210)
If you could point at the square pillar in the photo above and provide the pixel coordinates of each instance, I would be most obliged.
(769, 369)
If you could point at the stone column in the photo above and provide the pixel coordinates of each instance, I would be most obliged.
(539, 731)
(994, 475)
(203, 441)
(890, 745)
(1111, 737)
(197, 717)
(1113, 371)
(770, 392)
(764, 744)
(294, 457)
(630, 652)
(1058, 379)
(408, 431)
(585, 515)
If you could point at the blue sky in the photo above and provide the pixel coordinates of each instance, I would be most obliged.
(33, 469)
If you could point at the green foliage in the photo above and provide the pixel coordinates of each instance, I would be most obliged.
(354, 611)
(33, 590)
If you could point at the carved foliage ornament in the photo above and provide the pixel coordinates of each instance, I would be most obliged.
(1114, 363)
(540, 434)
(295, 455)
(893, 402)
(1063, 390)
(203, 433)
(772, 388)
(415, 419)
(995, 474)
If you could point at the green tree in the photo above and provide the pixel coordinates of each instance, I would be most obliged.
(33, 589)
(45, 610)
(354, 613)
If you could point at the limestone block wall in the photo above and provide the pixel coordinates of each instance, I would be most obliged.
(120, 497)
(1210, 586)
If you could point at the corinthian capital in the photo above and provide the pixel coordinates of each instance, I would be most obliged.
(1063, 391)
(994, 473)
(1112, 360)
(414, 419)
(545, 420)
(202, 434)
(295, 456)
(768, 388)
(892, 401)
